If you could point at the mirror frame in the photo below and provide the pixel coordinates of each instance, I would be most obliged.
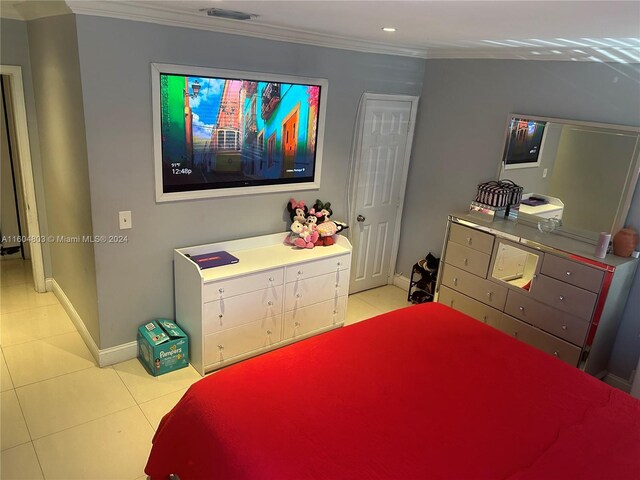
(627, 191)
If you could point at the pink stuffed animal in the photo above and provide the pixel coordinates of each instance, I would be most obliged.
(301, 236)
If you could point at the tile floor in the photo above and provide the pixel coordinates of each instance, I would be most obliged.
(62, 417)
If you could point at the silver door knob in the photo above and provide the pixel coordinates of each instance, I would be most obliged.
(360, 218)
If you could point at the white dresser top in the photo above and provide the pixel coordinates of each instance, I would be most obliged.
(261, 253)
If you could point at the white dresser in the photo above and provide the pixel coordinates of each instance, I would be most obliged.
(274, 295)
(544, 289)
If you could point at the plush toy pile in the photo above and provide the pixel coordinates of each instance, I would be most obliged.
(312, 227)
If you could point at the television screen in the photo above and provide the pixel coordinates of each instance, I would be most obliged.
(524, 142)
(228, 133)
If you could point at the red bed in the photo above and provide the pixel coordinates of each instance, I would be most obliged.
(423, 392)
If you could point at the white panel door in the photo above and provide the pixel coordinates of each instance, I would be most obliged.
(379, 182)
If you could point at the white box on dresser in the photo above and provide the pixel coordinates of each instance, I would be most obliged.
(276, 294)
(570, 306)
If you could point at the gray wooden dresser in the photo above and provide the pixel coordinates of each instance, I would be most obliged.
(547, 290)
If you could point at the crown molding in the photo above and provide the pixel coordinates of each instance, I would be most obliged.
(585, 54)
(138, 12)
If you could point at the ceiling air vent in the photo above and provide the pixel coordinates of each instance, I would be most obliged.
(229, 14)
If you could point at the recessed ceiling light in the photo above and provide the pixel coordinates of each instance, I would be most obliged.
(388, 29)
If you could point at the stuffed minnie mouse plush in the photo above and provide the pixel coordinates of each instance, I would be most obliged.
(297, 210)
(326, 228)
(322, 210)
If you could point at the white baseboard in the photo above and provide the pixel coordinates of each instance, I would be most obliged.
(401, 281)
(105, 357)
(617, 382)
(119, 353)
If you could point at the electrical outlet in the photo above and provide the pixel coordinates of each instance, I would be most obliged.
(125, 220)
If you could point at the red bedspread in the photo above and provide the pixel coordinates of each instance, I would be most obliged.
(419, 393)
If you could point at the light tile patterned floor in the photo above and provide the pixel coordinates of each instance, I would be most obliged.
(62, 417)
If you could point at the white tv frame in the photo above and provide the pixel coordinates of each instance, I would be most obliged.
(158, 68)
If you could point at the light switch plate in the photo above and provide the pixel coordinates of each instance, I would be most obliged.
(125, 220)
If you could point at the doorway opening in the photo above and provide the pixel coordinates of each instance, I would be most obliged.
(19, 228)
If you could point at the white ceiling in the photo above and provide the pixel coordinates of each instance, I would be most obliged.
(557, 30)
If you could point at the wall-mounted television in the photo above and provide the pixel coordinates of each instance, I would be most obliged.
(227, 132)
(524, 143)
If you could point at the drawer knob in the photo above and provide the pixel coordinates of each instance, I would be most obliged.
(484, 318)
(220, 347)
(564, 327)
(298, 295)
(568, 273)
(299, 272)
(451, 303)
(335, 312)
(339, 263)
(521, 309)
(270, 303)
(515, 334)
(490, 295)
(455, 281)
(466, 262)
(271, 279)
(469, 240)
(221, 290)
(297, 324)
(556, 353)
(220, 316)
(337, 285)
(561, 297)
(268, 332)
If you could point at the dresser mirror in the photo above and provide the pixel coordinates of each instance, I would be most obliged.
(582, 174)
(515, 265)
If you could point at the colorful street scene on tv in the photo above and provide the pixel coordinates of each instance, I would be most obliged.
(220, 133)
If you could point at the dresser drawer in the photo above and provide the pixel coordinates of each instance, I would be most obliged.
(469, 306)
(560, 324)
(467, 259)
(483, 242)
(575, 273)
(245, 283)
(480, 289)
(542, 341)
(563, 296)
(305, 320)
(222, 346)
(317, 267)
(240, 309)
(316, 289)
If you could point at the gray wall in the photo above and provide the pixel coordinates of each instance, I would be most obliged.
(56, 79)
(14, 50)
(460, 137)
(135, 280)
(623, 361)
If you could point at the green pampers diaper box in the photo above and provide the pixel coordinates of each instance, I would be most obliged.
(162, 347)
